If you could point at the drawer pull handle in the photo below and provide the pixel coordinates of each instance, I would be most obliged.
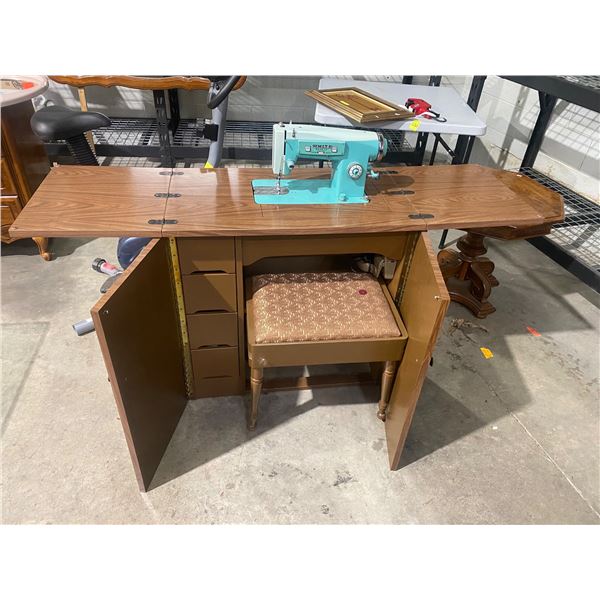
(214, 346)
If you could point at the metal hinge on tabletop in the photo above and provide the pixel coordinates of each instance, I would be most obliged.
(162, 222)
(166, 195)
(421, 216)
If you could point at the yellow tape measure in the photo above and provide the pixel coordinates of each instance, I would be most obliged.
(185, 341)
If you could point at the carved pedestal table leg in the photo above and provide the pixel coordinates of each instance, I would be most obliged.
(468, 274)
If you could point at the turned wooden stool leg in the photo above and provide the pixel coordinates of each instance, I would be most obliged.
(42, 244)
(256, 379)
(387, 381)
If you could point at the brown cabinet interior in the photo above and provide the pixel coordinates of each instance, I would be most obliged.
(148, 378)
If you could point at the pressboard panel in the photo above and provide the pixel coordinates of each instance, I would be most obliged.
(422, 307)
(137, 327)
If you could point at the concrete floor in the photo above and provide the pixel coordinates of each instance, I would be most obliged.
(512, 439)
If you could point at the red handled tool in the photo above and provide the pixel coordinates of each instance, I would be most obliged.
(422, 108)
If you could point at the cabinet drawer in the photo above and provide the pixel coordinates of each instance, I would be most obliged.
(213, 329)
(215, 291)
(216, 386)
(8, 186)
(10, 210)
(216, 372)
(215, 362)
(206, 256)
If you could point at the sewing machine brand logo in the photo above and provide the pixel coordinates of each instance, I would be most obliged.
(321, 149)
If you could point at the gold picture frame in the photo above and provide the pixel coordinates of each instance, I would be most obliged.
(360, 106)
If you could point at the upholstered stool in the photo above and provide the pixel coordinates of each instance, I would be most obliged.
(297, 319)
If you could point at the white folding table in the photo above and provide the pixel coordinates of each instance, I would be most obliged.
(461, 119)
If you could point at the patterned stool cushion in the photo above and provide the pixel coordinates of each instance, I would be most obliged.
(301, 307)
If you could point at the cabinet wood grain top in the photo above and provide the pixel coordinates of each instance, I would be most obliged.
(114, 201)
(78, 201)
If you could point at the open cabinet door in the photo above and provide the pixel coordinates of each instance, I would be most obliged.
(138, 330)
(423, 305)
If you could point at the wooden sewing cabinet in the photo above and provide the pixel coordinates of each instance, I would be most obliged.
(173, 326)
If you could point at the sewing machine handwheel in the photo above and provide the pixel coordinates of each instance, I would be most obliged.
(219, 91)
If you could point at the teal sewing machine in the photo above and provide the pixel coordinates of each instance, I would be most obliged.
(349, 150)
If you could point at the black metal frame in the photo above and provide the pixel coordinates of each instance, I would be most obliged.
(464, 143)
(164, 132)
(569, 262)
(168, 120)
(147, 135)
(547, 104)
(566, 88)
